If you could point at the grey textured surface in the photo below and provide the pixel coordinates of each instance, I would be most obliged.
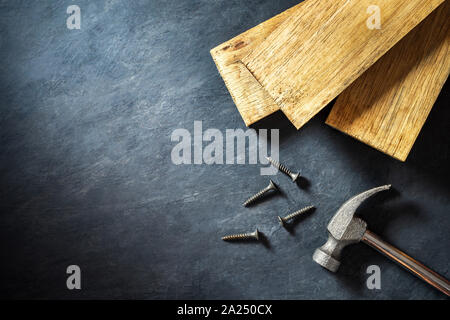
(87, 179)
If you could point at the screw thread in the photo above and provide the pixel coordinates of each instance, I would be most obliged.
(241, 236)
(297, 213)
(280, 166)
(256, 197)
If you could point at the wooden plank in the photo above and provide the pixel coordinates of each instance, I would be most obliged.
(252, 101)
(323, 46)
(388, 105)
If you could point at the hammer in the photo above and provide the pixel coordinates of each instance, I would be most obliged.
(344, 229)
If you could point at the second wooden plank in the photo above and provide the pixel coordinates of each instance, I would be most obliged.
(388, 105)
(324, 46)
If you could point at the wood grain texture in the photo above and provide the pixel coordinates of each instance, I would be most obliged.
(388, 105)
(252, 101)
(322, 47)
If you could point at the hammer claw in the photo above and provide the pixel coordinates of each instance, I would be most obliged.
(344, 216)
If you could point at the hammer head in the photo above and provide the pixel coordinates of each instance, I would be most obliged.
(344, 229)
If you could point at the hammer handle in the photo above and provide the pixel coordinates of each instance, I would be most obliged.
(414, 266)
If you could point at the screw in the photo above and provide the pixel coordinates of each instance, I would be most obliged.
(259, 195)
(243, 236)
(284, 220)
(284, 169)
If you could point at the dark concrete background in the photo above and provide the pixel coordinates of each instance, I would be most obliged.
(87, 179)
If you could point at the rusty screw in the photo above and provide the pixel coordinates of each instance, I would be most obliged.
(284, 169)
(284, 220)
(260, 194)
(243, 236)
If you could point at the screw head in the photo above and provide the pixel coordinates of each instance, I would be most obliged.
(256, 234)
(281, 221)
(295, 176)
(272, 185)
